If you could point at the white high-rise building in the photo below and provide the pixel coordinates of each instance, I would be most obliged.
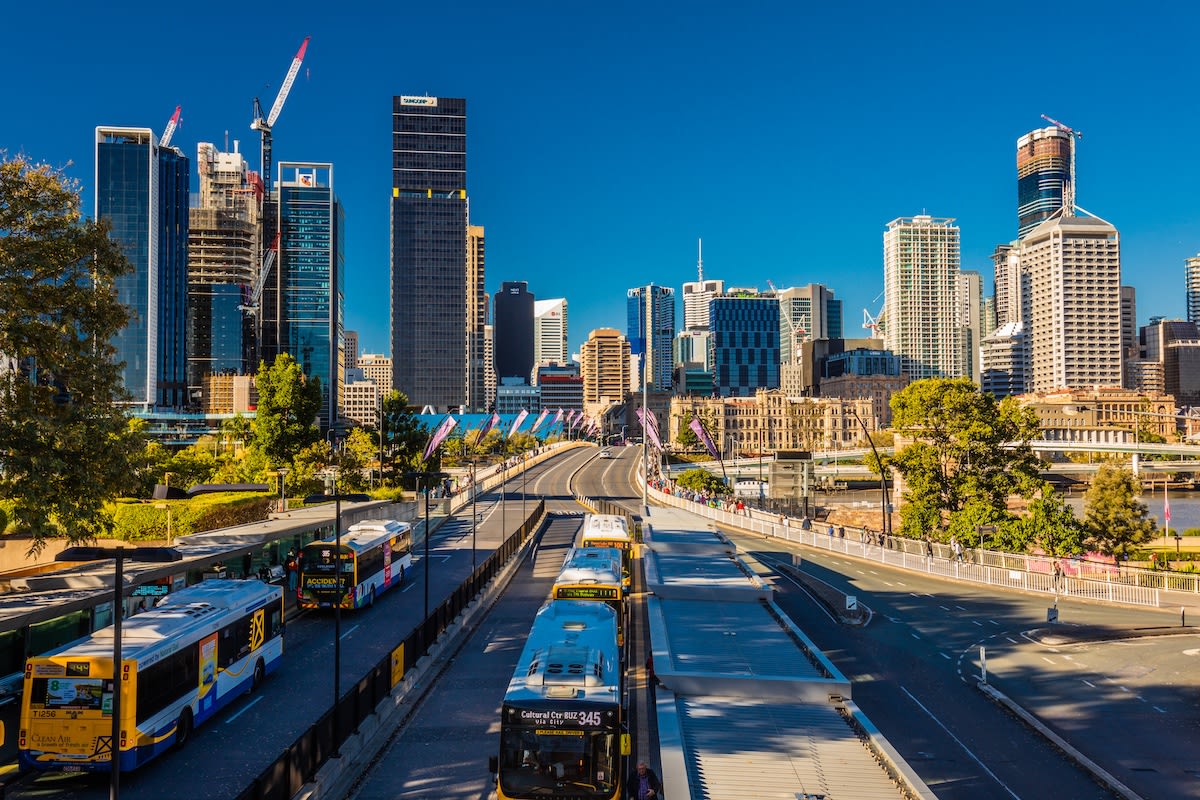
(1192, 278)
(549, 332)
(1074, 268)
(922, 311)
(377, 369)
(697, 295)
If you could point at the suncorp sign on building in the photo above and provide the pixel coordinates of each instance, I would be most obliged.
(412, 100)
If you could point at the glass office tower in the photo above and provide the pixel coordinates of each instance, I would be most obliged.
(651, 332)
(429, 250)
(1043, 169)
(311, 266)
(744, 343)
(142, 192)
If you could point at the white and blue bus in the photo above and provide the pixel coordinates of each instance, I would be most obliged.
(375, 555)
(181, 662)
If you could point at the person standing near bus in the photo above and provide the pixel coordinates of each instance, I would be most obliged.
(293, 570)
(644, 784)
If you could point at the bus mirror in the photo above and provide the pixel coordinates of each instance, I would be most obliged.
(625, 748)
(493, 764)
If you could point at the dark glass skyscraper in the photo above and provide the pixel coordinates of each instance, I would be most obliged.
(429, 250)
(311, 266)
(651, 332)
(1043, 169)
(744, 343)
(142, 191)
(513, 332)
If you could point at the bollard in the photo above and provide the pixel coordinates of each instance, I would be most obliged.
(1182, 617)
(983, 665)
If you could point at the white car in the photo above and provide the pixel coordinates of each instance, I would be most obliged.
(606, 454)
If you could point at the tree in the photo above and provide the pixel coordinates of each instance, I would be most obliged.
(687, 438)
(965, 446)
(1114, 519)
(701, 480)
(288, 404)
(1051, 525)
(64, 443)
(404, 435)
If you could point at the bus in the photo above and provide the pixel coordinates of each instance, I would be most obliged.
(561, 720)
(609, 530)
(375, 555)
(181, 662)
(594, 574)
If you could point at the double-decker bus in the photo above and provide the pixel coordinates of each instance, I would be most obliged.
(181, 661)
(561, 720)
(609, 530)
(374, 556)
(594, 574)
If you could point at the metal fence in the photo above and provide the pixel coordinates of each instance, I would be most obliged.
(298, 764)
(1013, 571)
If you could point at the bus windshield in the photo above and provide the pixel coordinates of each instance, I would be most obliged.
(535, 762)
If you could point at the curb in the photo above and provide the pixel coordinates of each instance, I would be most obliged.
(1099, 773)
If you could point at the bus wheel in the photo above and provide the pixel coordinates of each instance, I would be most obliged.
(259, 673)
(183, 728)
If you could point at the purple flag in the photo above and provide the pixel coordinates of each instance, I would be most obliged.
(651, 430)
(557, 417)
(517, 423)
(698, 429)
(439, 435)
(487, 427)
(541, 418)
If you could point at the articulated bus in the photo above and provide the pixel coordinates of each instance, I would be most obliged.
(561, 723)
(181, 661)
(609, 530)
(594, 574)
(374, 556)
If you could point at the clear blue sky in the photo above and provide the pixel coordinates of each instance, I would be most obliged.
(604, 138)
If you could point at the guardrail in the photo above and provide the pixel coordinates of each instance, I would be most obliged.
(1007, 570)
(299, 763)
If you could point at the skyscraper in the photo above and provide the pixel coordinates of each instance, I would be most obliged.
(1043, 169)
(550, 332)
(697, 294)
(651, 330)
(1074, 266)
(744, 342)
(142, 191)
(970, 288)
(223, 260)
(477, 317)
(1192, 286)
(311, 266)
(429, 250)
(512, 318)
(806, 312)
(922, 310)
(604, 364)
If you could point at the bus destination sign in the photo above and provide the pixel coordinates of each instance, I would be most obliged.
(561, 718)
(585, 593)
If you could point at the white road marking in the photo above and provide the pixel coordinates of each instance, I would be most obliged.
(1123, 689)
(347, 633)
(915, 636)
(944, 608)
(960, 608)
(1011, 639)
(1159, 710)
(993, 622)
(960, 744)
(1047, 660)
(943, 655)
(1089, 683)
(241, 711)
(977, 622)
(406, 588)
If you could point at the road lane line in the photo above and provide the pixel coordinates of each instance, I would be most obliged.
(1123, 689)
(1089, 683)
(944, 608)
(243, 710)
(993, 622)
(347, 633)
(1011, 639)
(915, 636)
(406, 588)
(943, 655)
(974, 757)
(1159, 710)
(977, 622)
(1047, 660)
(960, 608)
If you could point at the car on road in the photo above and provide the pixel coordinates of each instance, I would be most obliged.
(606, 454)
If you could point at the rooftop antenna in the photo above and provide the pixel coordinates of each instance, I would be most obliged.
(700, 259)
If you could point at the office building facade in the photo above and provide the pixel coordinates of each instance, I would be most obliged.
(560, 386)
(1043, 170)
(429, 250)
(142, 192)
(806, 312)
(744, 343)
(311, 269)
(377, 369)
(477, 318)
(922, 304)
(604, 365)
(512, 321)
(651, 331)
(1192, 288)
(550, 332)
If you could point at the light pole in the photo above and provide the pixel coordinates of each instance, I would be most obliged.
(524, 469)
(330, 476)
(426, 476)
(159, 555)
(168, 508)
(883, 488)
(283, 473)
(474, 508)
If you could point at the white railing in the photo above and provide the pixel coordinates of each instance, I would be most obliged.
(908, 554)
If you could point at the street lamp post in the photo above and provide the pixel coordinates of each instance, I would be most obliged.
(119, 554)
(524, 469)
(426, 476)
(474, 508)
(168, 508)
(883, 489)
(283, 473)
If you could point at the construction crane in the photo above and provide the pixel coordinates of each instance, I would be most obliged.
(260, 282)
(872, 323)
(263, 126)
(165, 139)
(1069, 184)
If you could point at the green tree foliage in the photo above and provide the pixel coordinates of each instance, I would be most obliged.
(288, 404)
(701, 480)
(965, 526)
(1051, 525)
(1115, 521)
(520, 442)
(956, 454)
(404, 436)
(64, 441)
(687, 438)
(354, 459)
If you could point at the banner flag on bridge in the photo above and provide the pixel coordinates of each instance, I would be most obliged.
(439, 435)
(517, 423)
(487, 428)
(698, 429)
(538, 422)
(651, 429)
(1166, 509)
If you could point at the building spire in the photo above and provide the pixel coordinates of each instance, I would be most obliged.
(700, 259)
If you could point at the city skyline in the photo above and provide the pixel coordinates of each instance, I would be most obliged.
(630, 143)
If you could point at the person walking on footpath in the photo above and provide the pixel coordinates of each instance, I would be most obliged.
(644, 784)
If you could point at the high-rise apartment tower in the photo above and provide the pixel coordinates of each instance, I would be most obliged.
(550, 332)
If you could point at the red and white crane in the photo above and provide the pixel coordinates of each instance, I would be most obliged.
(264, 125)
(165, 139)
(1069, 184)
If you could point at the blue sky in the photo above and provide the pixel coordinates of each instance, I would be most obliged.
(605, 138)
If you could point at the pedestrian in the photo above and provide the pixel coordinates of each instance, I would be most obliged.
(830, 532)
(841, 531)
(293, 570)
(643, 783)
(1058, 573)
(928, 546)
(806, 524)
